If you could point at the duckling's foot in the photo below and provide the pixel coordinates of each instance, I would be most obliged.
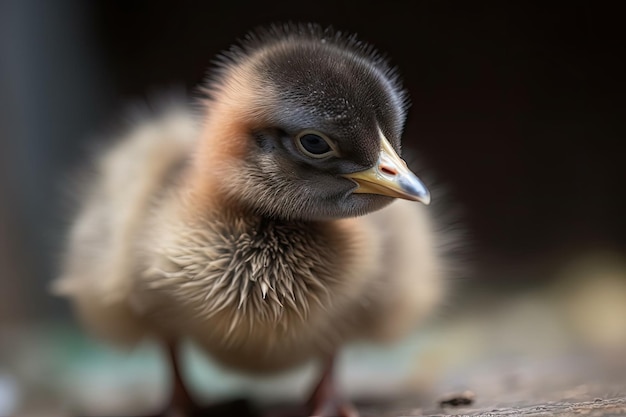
(335, 409)
(234, 408)
(173, 412)
(325, 401)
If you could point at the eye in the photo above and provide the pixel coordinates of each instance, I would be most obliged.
(314, 144)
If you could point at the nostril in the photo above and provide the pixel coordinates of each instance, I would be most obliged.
(388, 171)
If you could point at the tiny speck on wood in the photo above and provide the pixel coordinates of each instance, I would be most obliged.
(458, 400)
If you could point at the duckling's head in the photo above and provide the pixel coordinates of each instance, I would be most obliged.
(304, 123)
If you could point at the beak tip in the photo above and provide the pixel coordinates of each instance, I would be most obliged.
(423, 198)
(415, 190)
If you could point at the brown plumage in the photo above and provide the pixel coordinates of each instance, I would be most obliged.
(262, 227)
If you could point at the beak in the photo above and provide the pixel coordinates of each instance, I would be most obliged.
(390, 176)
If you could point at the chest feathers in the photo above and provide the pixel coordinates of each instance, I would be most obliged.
(250, 272)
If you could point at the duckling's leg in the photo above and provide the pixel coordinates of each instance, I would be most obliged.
(180, 403)
(325, 400)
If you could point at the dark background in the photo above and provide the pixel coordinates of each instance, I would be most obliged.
(518, 110)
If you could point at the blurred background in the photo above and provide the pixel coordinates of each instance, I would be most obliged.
(517, 112)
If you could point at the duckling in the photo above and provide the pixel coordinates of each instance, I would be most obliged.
(273, 226)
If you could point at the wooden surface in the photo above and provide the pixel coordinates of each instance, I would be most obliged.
(596, 408)
(571, 385)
